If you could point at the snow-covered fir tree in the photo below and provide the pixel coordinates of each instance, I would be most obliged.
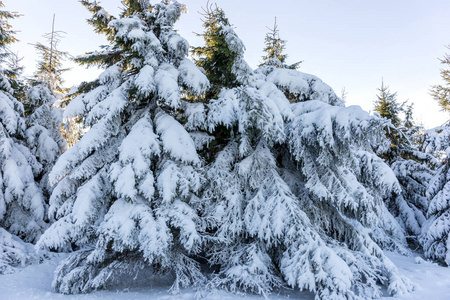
(409, 163)
(125, 194)
(294, 193)
(434, 237)
(43, 114)
(435, 232)
(22, 205)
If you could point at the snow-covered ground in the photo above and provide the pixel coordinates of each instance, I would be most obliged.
(33, 283)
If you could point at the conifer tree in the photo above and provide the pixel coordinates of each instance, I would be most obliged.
(125, 194)
(50, 66)
(274, 48)
(441, 92)
(410, 165)
(22, 207)
(387, 105)
(44, 116)
(435, 232)
(434, 237)
(294, 194)
(215, 57)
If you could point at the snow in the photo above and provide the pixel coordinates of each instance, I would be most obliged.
(8, 117)
(177, 45)
(233, 41)
(166, 79)
(175, 139)
(144, 81)
(34, 282)
(192, 77)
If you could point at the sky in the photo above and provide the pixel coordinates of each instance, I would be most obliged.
(349, 44)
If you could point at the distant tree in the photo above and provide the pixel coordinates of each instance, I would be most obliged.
(409, 123)
(14, 73)
(274, 48)
(387, 105)
(50, 65)
(441, 92)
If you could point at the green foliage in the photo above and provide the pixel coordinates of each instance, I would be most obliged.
(6, 33)
(109, 56)
(11, 67)
(387, 106)
(100, 19)
(215, 57)
(133, 6)
(441, 93)
(409, 122)
(405, 135)
(274, 47)
(14, 72)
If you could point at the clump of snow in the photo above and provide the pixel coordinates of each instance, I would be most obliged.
(175, 139)
(192, 77)
(166, 79)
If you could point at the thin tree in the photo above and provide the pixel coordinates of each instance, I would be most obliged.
(274, 48)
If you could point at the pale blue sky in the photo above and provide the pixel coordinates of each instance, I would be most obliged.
(351, 44)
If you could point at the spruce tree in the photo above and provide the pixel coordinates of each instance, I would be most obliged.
(441, 92)
(294, 194)
(125, 194)
(50, 66)
(274, 48)
(388, 107)
(43, 114)
(435, 232)
(22, 207)
(215, 57)
(410, 165)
